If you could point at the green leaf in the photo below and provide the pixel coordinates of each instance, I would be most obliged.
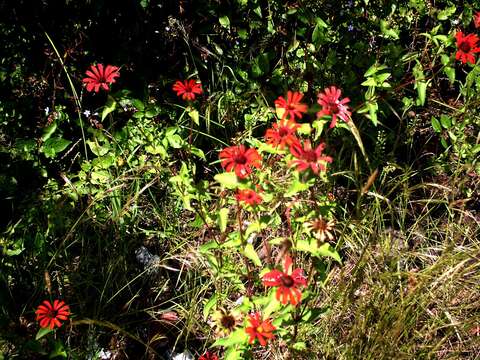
(237, 337)
(207, 246)
(222, 219)
(49, 130)
(227, 179)
(299, 346)
(450, 72)
(58, 351)
(53, 146)
(436, 125)
(446, 13)
(422, 92)
(387, 31)
(42, 332)
(208, 306)
(446, 121)
(193, 113)
(327, 250)
(233, 354)
(109, 107)
(98, 149)
(251, 254)
(224, 21)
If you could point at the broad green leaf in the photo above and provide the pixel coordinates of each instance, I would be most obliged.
(98, 149)
(446, 121)
(109, 107)
(222, 219)
(233, 354)
(42, 332)
(207, 246)
(193, 113)
(237, 337)
(251, 254)
(450, 72)
(49, 130)
(58, 350)
(227, 179)
(328, 250)
(53, 146)
(436, 125)
(225, 22)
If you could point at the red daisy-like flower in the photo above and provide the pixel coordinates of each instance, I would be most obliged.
(467, 46)
(249, 197)
(208, 356)
(282, 133)
(187, 89)
(240, 159)
(259, 329)
(333, 106)
(292, 105)
(98, 76)
(50, 315)
(476, 19)
(287, 282)
(307, 157)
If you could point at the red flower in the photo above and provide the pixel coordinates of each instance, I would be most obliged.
(259, 329)
(292, 106)
(98, 76)
(282, 133)
(287, 282)
(467, 46)
(240, 159)
(476, 19)
(208, 356)
(249, 197)
(49, 315)
(187, 89)
(308, 157)
(332, 105)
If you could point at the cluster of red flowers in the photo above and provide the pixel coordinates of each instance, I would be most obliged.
(467, 45)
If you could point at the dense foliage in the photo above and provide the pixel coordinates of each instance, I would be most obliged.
(240, 179)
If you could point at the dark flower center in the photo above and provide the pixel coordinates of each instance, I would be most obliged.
(465, 47)
(334, 108)
(287, 281)
(283, 132)
(310, 156)
(228, 321)
(241, 159)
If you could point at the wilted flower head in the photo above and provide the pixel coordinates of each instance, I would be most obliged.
(225, 322)
(321, 229)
